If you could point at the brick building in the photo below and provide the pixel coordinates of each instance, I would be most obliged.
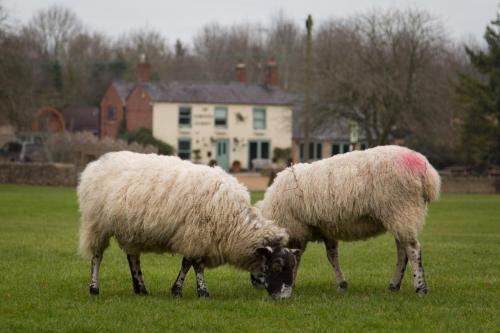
(112, 107)
(117, 105)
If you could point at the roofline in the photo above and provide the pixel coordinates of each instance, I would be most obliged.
(112, 85)
(221, 103)
(137, 86)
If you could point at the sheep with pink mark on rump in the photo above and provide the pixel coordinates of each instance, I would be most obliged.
(356, 196)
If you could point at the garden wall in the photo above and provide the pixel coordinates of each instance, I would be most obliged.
(51, 174)
(470, 184)
(58, 174)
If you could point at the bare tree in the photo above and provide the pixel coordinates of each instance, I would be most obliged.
(380, 69)
(151, 43)
(285, 43)
(53, 28)
(219, 48)
(3, 17)
(17, 82)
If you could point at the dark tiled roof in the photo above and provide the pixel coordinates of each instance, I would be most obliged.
(335, 129)
(230, 93)
(123, 88)
(81, 118)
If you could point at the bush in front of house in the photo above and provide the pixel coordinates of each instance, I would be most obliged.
(145, 137)
(79, 148)
(282, 154)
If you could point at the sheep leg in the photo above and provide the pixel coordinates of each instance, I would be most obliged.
(95, 263)
(333, 257)
(401, 263)
(134, 264)
(176, 289)
(415, 257)
(200, 278)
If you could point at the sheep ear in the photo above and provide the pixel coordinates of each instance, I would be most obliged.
(264, 251)
(296, 252)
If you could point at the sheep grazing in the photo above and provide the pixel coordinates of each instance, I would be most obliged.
(152, 203)
(356, 196)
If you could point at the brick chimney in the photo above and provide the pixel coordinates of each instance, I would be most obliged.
(241, 72)
(143, 69)
(271, 78)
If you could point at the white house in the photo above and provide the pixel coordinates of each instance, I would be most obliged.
(225, 122)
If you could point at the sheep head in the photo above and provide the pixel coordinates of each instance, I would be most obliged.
(276, 271)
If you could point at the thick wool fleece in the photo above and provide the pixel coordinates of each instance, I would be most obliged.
(163, 204)
(354, 196)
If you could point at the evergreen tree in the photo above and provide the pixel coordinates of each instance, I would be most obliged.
(480, 95)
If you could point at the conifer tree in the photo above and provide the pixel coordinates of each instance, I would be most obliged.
(480, 95)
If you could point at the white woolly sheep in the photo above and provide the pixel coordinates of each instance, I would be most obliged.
(356, 196)
(152, 203)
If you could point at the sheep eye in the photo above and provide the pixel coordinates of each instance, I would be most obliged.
(276, 267)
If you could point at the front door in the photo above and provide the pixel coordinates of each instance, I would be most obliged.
(222, 153)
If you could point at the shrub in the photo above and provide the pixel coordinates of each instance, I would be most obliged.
(145, 137)
(82, 147)
(282, 153)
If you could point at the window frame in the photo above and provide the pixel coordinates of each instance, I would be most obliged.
(221, 108)
(343, 148)
(315, 151)
(183, 108)
(259, 143)
(111, 109)
(256, 110)
(183, 151)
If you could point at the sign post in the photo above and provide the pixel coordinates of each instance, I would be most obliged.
(354, 135)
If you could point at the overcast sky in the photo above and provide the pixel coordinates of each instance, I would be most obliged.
(463, 19)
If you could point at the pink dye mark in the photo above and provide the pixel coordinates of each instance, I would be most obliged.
(414, 161)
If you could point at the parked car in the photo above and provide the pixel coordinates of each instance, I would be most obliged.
(15, 151)
(11, 151)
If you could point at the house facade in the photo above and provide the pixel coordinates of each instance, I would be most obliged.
(234, 122)
(223, 132)
(227, 122)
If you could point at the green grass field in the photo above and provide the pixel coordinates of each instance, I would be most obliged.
(44, 283)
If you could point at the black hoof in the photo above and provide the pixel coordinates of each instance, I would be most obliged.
(421, 291)
(394, 287)
(93, 290)
(176, 292)
(203, 293)
(141, 290)
(342, 286)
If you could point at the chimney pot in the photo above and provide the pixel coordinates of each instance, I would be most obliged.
(241, 72)
(271, 78)
(143, 69)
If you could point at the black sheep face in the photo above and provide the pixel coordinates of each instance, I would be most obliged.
(276, 271)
